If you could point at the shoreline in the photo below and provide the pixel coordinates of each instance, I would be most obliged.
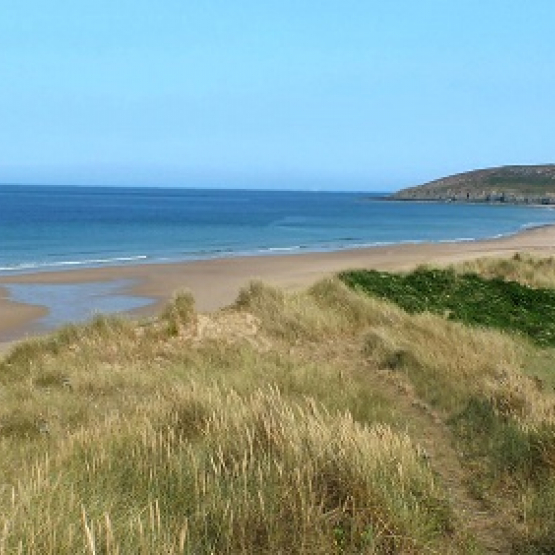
(216, 282)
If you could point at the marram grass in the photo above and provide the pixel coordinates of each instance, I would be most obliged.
(264, 429)
(223, 473)
(125, 438)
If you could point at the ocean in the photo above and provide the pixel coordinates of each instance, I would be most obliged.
(54, 228)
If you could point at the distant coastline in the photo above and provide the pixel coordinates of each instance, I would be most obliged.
(65, 229)
(532, 185)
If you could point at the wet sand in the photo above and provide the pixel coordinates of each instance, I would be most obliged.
(216, 283)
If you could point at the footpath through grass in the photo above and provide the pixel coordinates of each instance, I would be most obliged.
(501, 413)
(468, 298)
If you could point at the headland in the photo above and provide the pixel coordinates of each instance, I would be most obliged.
(529, 185)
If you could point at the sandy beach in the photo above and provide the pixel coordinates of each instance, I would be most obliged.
(215, 283)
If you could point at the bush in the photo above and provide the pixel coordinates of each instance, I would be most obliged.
(468, 298)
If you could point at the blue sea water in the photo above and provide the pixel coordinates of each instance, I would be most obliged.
(52, 228)
(56, 228)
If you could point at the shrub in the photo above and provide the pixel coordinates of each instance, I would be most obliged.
(468, 298)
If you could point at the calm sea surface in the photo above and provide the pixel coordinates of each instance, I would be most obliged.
(52, 228)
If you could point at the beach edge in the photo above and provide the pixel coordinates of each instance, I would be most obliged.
(215, 283)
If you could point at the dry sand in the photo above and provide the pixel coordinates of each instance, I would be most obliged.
(215, 283)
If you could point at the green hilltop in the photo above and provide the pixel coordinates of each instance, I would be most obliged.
(506, 184)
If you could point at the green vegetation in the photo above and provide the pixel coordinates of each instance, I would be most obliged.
(467, 297)
(327, 421)
(540, 183)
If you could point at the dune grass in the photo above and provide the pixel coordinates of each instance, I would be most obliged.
(534, 271)
(125, 438)
(226, 473)
(501, 410)
(270, 427)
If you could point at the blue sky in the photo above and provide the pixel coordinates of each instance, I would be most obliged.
(307, 93)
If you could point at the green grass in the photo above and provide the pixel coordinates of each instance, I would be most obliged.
(467, 298)
(538, 184)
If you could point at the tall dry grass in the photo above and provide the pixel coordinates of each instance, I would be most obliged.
(214, 471)
(178, 436)
(534, 271)
(256, 430)
(481, 380)
(445, 360)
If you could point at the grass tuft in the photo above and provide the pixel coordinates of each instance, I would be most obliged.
(179, 313)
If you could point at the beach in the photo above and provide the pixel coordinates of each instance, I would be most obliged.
(215, 283)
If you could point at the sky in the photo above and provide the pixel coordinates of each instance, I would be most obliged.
(339, 94)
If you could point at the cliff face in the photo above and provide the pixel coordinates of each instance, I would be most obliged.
(510, 184)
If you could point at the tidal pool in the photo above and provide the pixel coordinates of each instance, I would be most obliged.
(76, 302)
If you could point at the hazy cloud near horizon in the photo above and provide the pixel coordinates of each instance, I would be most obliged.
(352, 94)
